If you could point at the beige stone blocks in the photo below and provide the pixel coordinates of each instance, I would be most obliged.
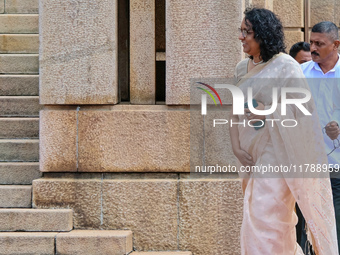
(36, 220)
(19, 23)
(134, 139)
(94, 242)
(210, 216)
(20, 243)
(19, 43)
(19, 63)
(19, 172)
(58, 140)
(142, 52)
(164, 212)
(290, 12)
(293, 37)
(26, 6)
(81, 195)
(19, 106)
(19, 128)
(201, 42)
(148, 207)
(79, 65)
(327, 10)
(19, 85)
(15, 196)
(2, 6)
(122, 138)
(19, 150)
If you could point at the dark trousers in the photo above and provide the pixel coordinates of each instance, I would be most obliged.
(336, 201)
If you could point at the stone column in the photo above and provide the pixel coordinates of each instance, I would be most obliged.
(201, 42)
(78, 52)
(142, 52)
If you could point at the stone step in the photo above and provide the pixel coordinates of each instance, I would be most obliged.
(19, 150)
(27, 6)
(84, 242)
(94, 242)
(40, 220)
(19, 128)
(19, 63)
(19, 23)
(19, 85)
(161, 253)
(15, 196)
(12, 173)
(23, 243)
(19, 43)
(27, 106)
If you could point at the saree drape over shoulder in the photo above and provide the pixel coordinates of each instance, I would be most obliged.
(269, 219)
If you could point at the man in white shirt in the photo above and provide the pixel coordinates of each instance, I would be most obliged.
(323, 74)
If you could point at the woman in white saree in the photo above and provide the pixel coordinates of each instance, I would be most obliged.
(269, 219)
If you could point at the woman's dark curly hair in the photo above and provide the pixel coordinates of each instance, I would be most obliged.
(268, 31)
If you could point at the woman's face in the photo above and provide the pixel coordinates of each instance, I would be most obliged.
(250, 45)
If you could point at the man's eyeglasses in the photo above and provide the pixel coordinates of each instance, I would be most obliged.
(245, 32)
(336, 143)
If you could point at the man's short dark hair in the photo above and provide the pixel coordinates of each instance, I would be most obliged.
(327, 27)
(297, 47)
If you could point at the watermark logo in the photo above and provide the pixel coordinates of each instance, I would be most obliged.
(204, 96)
(239, 101)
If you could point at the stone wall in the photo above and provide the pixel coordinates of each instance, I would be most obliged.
(125, 166)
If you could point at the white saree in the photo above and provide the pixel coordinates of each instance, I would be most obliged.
(269, 219)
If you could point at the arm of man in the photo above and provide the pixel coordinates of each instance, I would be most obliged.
(332, 128)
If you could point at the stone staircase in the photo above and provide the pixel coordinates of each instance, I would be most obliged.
(24, 230)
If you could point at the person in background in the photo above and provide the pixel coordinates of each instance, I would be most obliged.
(301, 52)
(323, 75)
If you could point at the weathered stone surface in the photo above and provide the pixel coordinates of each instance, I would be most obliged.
(201, 42)
(142, 52)
(2, 6)
(20, 243)
(19, 128)
(19, 43)
(19, 63)
(210, 216)
(35, 220)
(15, 196)
(58, 141)
(19, 173)
(209, 145)
(324, 10)
(19, 106)
(19, 85)
(290, 12)
(162, 253)
(147, 207)
(134, 139)
(79, 65)
(26, 6)
(293, 37)
(92, 242)
(83, 196)
(19, 24)
(19, 150)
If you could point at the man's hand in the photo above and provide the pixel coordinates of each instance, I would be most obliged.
(332, 130)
